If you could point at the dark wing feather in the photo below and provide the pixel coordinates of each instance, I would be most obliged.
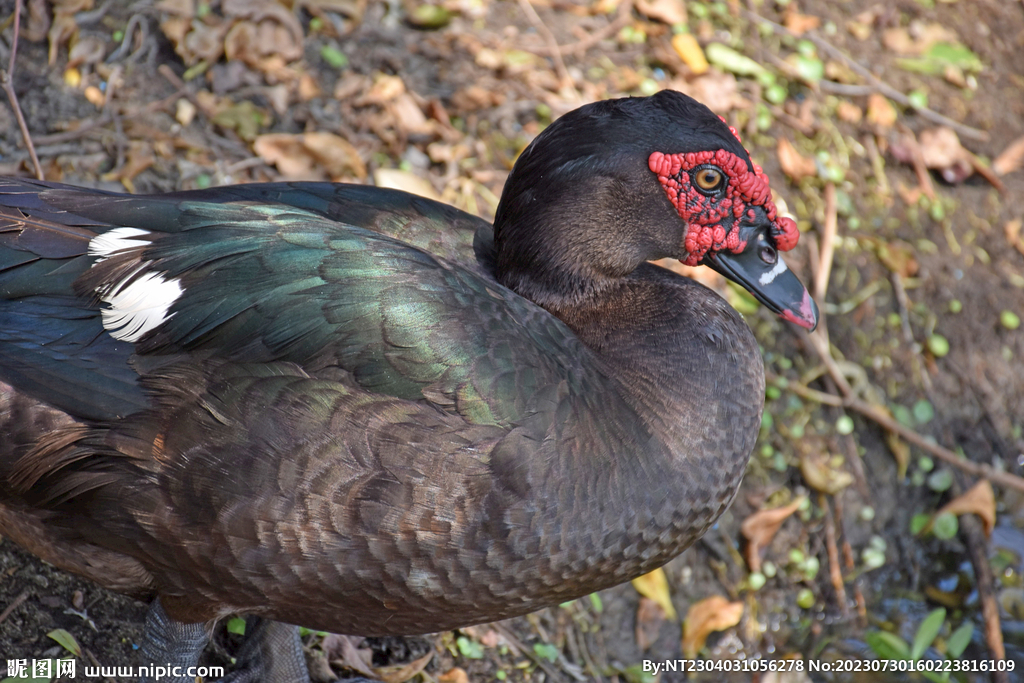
(268, 284)
(52, 344)
(318, 278)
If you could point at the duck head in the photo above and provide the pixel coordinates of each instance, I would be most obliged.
(619, 182)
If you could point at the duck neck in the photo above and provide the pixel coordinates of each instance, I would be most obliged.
(564, 237)
(689, 368)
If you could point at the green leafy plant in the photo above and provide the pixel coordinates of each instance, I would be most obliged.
(891, 646)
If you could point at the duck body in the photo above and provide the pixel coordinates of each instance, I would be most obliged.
(366, 412)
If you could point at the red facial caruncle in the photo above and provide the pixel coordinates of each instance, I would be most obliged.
(713, 219)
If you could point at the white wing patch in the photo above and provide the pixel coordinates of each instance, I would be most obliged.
(140, 300)
(118, 239)
(769, 277)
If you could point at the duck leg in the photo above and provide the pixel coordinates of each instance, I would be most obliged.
(271, 653)
(167, 644)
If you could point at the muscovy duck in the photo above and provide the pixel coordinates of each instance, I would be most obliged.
(363, 411)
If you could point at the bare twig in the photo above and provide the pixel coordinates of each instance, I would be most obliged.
(7, 82)
(108, 117)
(22, 597)
(828, 240)
(879, 416)
(846, 89)
(553, 49)
(877, 165)
(835, 572)
(977, 546)
(578, 48)
(791, 121)
(523, 649)
(875, 82)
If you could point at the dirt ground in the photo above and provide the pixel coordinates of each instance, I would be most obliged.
(924, 297)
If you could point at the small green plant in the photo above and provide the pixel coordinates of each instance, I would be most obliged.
(890, 646)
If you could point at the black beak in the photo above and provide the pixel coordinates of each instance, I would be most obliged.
(761, 271)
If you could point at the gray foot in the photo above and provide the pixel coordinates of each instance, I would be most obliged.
(271, 653)
(169, 646)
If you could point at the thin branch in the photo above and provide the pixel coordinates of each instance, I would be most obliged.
(875, 82)
(553, 49)
(584, 44)
(14, 604)
(828, 241)
(7, 82)
(977, 547)
(882, 418)
(835, 571)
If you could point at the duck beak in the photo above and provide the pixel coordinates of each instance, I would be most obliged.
(773, 284)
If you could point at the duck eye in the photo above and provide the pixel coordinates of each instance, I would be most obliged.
(767, 253)
(708, 179)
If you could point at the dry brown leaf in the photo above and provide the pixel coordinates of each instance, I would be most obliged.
(456, 675)
(917, 38)
(940, 147)
(474, 97)
(719, 91)
(897, 256)
(794, 164)
(202, 42)
(941, 150)
(61, 31)
(259, 33)
(655, 586)
(705, 617)
(252, 41)
(403, 672)
(87, 50)
(490, 638)
(275, 24)
(176, 28)
(690, 51)
(311, 156)
(910, 195)
(670, 12)
(184, 112)
(398, 179)
(859, 30)
(36, 22)
(800, 24)
(409, 117)
(978, 500)
(95, 96)
(1010, 159)
(900, 452)
(760, 528)
(343, 649)
(279, 97)
(840, 73)
(138, 158)
(1012, 231)
(308, 87)
(351, 9)
(881, 113)
(605, 6)
(649, 618)
(821, 475)
(385, 88)
(179, 8)
(849, 112)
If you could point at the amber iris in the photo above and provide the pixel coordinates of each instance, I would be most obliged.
(708, 179)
